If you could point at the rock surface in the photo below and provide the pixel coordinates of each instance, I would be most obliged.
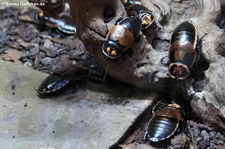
(94, 118)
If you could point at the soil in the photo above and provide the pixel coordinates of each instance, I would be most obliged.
(24, 41)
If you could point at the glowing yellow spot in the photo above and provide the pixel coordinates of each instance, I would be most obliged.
(108, 49)
(41, 13)
(113, 52)
(174, 105)
(148, 17)
(145, 22)
(125, 1)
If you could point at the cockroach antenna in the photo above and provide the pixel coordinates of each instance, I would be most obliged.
(106, 70)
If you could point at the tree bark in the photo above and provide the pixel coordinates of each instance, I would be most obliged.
(144, 66)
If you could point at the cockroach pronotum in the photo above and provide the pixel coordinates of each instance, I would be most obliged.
(127, 3)
(121, 36)
(146, 16)
(58, 25)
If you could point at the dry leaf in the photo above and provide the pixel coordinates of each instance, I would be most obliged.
(26, 18)
(48, 44)
(25, 44)
(58, 40)
(136, 146)
(8, 58)
(13, 55)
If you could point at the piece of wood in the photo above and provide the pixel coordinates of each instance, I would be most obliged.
(142, 65)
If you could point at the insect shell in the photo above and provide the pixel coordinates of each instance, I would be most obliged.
(52, 84)
(146, 16)
(127, 3)
(182, 51)
(121, 36)
(164, 122)
(59, 25)
(66, 29)
(87, 70)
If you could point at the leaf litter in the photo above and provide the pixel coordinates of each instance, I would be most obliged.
(24, 40)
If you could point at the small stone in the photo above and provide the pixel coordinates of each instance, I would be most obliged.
(196, 133)
(204, 136)
(33, 51)
(212, 134)
(48, 44)
(46, 61)
(180, 141)
(217, 142)
(220, 136)
(203, 144)
(28, 64)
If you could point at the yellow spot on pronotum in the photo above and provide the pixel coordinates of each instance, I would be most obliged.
(108, 49)
(145, 22)
(125, 1)
(113, 52)
(174, 105)
(41, 13)
(148, 17)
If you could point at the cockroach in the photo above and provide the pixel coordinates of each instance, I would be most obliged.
(146, 16)
(51, 84)
(66, 29)
(58, 25)
(164, 122)
(127, 3)
(87, 70)
(121, 36)
(160, 105)
(183, 50)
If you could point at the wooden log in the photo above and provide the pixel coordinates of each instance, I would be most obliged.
(143, 67)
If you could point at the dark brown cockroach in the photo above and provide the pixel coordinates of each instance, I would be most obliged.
(146, 16)
(127, 3)
(164, 122)
(183, 50)
(160, 105)
(58, 25)
(51, 84)
(121, 36)
(88, 70)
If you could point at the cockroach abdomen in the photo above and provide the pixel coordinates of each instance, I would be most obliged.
(182, 51)
(51, 84)
(133, 24)
(67, 29)
(161, 128)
